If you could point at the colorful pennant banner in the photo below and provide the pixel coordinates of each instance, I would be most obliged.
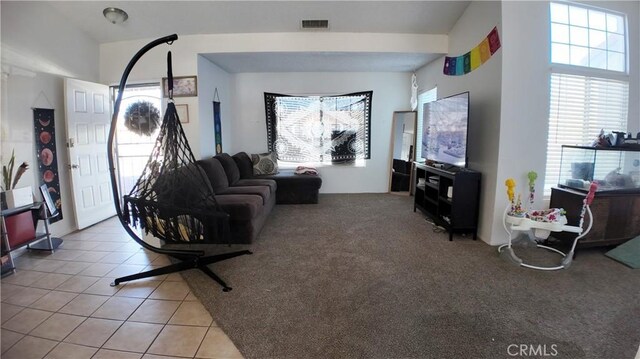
(460, 65)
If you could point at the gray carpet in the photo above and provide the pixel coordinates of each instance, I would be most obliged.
(363, 276)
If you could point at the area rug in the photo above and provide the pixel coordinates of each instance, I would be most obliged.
(628, 253)
(363, 276)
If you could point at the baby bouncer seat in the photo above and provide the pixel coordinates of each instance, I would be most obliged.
(538, 225)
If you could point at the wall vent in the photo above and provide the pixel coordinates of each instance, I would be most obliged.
(315, 24)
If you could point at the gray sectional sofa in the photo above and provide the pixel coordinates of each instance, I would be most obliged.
(249, 199)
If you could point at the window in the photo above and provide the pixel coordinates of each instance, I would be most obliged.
(588, 37)
(319, 129)
(423, 99)
(592, 93)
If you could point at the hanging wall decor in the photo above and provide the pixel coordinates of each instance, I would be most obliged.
(461, 65)
(47, 155)
(217, 122)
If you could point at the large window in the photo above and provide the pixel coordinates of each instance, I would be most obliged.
(319, 129)
(589, 89)
(423, 99)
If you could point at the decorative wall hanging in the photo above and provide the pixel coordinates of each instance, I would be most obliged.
(460, 65)
(183, 113)
(142, 118)
(183, 86)
(217, 122)
(47, 155)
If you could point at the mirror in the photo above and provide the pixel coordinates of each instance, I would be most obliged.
(403, 151)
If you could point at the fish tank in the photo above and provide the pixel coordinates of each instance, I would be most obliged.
(614, 169)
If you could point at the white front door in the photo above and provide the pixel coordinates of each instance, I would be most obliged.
(88, 119)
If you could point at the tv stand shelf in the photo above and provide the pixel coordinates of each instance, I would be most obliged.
(455, 213)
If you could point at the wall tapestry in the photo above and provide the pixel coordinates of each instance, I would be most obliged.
(47, 155)
(460, 65)
(218, 126)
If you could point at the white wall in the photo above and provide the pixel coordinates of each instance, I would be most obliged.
(210, 78)
(186, 61)
(525, 93)
(484, 86)
(391, 92)
(38, 50)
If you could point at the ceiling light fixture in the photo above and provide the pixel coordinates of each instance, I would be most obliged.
(115, 15)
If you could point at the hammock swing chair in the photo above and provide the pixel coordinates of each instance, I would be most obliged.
(172, 199)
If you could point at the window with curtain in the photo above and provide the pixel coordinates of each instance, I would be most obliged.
(589, 89)
(319, 129)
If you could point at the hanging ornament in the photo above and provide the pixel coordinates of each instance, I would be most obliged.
(142, 118)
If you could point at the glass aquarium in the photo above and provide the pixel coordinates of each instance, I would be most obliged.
(612, 168)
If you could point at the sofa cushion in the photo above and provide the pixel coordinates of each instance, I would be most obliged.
(273, 185)
(265, 163)
(241, 207)
(230, 168)
(244, 164)
(263, 191)
(215, 173)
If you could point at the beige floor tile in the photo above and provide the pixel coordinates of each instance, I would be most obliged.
(72, 268)
(174, 277)
(7, 290)
(66, 255)
(27, 296)
(77, 284)
(113, 257)
(57, 326)
(26, 320)
(53, 301)
(153, 356)
(48, 265)
(171, 291)
(138, 289)
(161, 277)
(93, 332)
(119, 308)
(115, 354)
(134, 337)
(27, 262)
(125, 270)
(9, 338)
(51, 280)
(142, 258)
(30, 348)
(23, 277)
(155, 311)
(102, 287)
(176, 340)
(217, 345)
(191, 298)
(84, 304)
(98, 269)
(71, 351)
(161, 261)
(94, 256)
(191, 313)
(9, 310)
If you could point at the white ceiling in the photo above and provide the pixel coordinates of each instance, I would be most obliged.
(152, 19)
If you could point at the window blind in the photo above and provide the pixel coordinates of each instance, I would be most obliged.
(579, 107)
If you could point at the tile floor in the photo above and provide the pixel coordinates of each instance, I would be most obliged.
(60, 305)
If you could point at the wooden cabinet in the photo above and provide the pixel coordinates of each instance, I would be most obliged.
(616, 215)
(450, 198)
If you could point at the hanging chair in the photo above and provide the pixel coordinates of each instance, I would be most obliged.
(173, 199)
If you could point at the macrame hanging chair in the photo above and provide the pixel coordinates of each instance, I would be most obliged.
(173, 199)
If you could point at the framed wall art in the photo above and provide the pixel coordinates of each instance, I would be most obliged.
(183, 112)
(183, 86)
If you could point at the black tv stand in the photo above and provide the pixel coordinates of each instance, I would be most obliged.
(455, 209)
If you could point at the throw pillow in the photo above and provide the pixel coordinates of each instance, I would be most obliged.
(265, 163)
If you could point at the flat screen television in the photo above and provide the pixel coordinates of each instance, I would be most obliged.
(444, 130)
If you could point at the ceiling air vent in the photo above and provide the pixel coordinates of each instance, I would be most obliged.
(315, 24)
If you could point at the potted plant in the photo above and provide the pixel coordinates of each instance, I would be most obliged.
(12, 196)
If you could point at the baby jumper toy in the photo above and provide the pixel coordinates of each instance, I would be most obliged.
(540, 223)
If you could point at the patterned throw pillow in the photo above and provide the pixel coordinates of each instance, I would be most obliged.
(265, 163)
